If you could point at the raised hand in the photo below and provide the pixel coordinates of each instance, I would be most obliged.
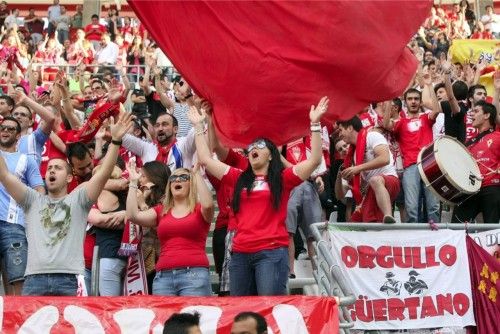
(316, 112)
(133, 174)
(115, 91)
(196, 117)
(19, 97)
(121, 127)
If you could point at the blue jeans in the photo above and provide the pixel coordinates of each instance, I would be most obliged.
(412, 183)
(111, 272)
(13, 250)
(190, 281)
(50, 285)
(264, 273)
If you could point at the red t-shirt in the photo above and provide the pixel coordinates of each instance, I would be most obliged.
(94, 32)
(487, 154)
(413, 134)
(51, 152)
(224, 192)
(258, 225)
(182, 240)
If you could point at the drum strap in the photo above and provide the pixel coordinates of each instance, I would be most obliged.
(478, 137)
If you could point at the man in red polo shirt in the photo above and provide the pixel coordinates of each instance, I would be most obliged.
(485, 148)
(413, 132)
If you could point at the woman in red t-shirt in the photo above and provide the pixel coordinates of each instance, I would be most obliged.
(182, 225)
(259, 263)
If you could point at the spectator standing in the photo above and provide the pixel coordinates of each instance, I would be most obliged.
(63, 23)
(4, 12)
(491, 21)
(81, 51)
(94, 31)
(53, 14)
(25, 171)
(135, 58)
(77, 18)
(34, 24)
(108, 52)
(12, 20)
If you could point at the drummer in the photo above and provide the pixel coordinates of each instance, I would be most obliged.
(485, 148)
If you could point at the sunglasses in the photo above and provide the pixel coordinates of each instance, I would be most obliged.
(260, 144)
(179, 178)
(11, 129)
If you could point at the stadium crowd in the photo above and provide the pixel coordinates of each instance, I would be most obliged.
(103, 141)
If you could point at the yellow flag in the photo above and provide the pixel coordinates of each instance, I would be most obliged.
(473, 50)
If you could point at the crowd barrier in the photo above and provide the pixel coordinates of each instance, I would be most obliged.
(332, 280)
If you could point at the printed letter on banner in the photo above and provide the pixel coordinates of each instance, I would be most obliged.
(406, 279)
(489, 240)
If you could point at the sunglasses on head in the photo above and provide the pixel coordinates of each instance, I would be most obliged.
(11, 129)
(260, 144)
(179, 177)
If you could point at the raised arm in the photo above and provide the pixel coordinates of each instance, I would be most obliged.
(429, 96)
(213, 142)
(97, 182)
(214, 167)
(387, 121)
(455, 108)
(164, 99)
(61, 84)
(145, 218)
(12, 184)
(305, 168)
(46, 115)
(205, 196)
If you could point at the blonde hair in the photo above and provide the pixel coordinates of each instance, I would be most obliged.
(168, 202)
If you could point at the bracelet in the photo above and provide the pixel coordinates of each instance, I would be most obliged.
(315, 123)
(65, 100)
(116, 142)
(200, 132)
(134, 186)
(315, 128)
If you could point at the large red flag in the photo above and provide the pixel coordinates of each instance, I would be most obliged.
(262, 64)
(485, 283)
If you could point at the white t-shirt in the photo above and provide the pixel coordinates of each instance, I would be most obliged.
(491, 22)
(374, 139)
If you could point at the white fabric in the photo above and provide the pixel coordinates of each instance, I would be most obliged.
(374, 139)
(108, 54)
(438, 127)
(491, 22)
(406, 279)
(161, 59)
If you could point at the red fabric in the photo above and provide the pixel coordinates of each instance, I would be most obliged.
(369, 210)
(487, 153)
(182, 240)
(291, 53)
(51, 152)
(413, 134)
(163, 151)
(356, 155)
(259, 226)
(102, 111)
(94, 32)
(485, 286)
(88, 249)
(223, 192)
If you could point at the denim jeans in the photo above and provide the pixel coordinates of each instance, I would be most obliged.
(62, 35)
(13, 250)
(412, 186)
(87, 276)
(190, 281)
(264, 273)
(111, 273)
(50, 285)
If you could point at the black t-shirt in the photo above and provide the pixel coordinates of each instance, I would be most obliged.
(454, 124)
(154, 106)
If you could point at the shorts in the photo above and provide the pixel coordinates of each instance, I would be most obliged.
(304, 209)
(13, 250)
(369, 210)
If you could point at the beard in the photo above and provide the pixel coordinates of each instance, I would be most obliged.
(8, 143)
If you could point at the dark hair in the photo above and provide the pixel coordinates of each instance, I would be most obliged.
(472, 90)
(438, 87)
(174, 119)
(412, 90)
(180, 323)
(397, 101)
(355, 122)
(460, 90)
(94, 16)
(247, 178)
(158, 173)
(490, 109)
(77, 150)
(259, 319)
(10, 118)
(9, 100)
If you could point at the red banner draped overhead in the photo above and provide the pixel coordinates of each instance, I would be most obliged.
(263, 64)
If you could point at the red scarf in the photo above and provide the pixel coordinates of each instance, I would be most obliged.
(360, 155)
(163, 151)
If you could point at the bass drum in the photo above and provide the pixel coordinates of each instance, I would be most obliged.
(449, 170)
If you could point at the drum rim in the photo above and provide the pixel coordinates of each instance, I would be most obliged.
(424, 176)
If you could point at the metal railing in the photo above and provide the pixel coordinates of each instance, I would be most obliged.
(327, 273)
